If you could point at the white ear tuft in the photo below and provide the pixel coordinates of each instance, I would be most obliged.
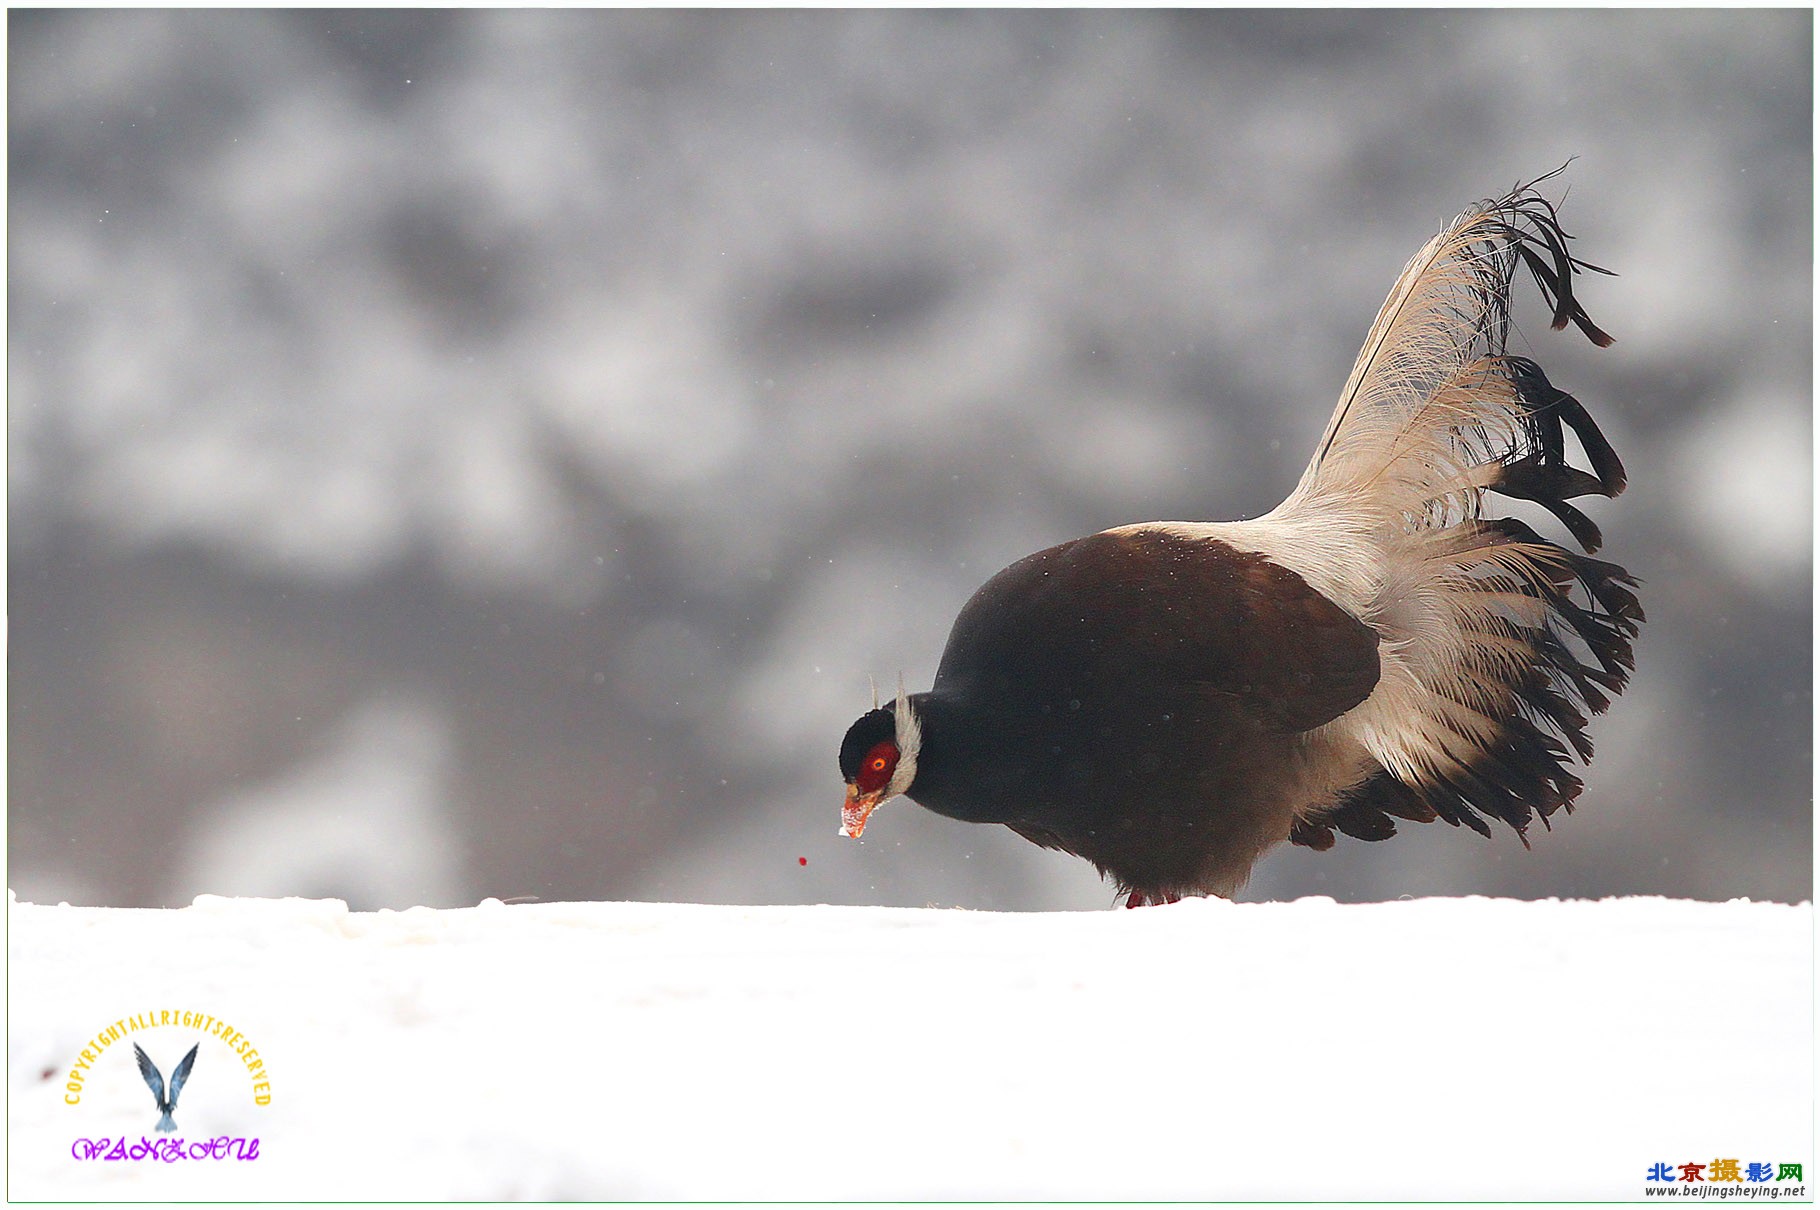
(909, 741)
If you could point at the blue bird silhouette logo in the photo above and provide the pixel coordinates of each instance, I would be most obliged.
(167, 1104)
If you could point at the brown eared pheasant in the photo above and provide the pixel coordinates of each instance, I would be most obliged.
(1172, 699)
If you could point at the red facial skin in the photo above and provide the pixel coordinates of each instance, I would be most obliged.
(867, 789)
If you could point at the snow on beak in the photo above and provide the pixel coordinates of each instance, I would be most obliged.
(856, 809)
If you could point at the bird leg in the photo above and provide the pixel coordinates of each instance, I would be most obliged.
(1141, 899)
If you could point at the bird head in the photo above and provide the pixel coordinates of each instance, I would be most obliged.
(878, 760)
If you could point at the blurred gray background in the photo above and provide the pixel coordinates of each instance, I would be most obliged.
(466, 454)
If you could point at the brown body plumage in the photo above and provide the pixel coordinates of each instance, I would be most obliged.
(1169, 700)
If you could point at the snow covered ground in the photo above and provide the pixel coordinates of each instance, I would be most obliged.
(1450, 1048)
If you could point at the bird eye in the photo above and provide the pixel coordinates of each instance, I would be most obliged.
(878, 766)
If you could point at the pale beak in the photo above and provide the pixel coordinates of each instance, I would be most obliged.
(854, 811)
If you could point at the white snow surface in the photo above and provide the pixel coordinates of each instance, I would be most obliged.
(1433, 1048)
